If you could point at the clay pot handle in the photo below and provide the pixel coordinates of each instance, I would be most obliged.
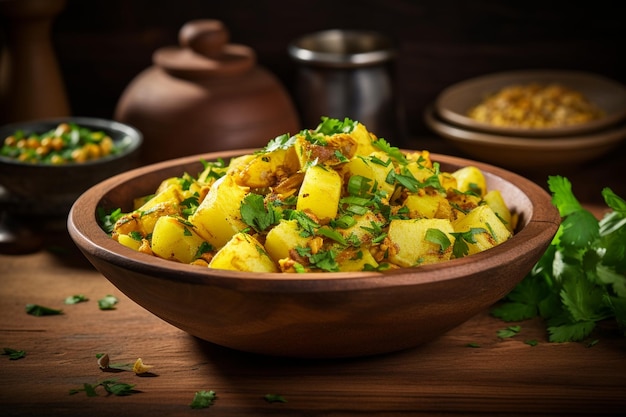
(206, 37)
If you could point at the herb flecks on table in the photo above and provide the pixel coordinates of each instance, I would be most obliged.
(580, 280)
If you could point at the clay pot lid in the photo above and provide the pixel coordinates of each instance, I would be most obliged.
(204, 51)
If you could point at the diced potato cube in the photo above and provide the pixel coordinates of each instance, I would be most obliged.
(430, 206)
(366, 166)
(266, 169)
(129, 242)
(358, 261)
(218, 217)
(494, 199)
(243, 253)
(483, 217)
(470, 178)
(142, 221)
(284, 237)
(410, 247)
(362, 229)
(320, 192)
(363, 139)
(335, 151)
(174, 240)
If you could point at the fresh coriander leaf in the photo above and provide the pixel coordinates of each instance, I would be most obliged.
(280, 142)
(473, 345)
(108, 302)
(508, 332)
(616, 203)
(204, 247)
(203, 399)
(37, 310)
(330, 126)
(562, 195)
(438, 237)
(14, 354)
(461, 239)
(531, 342)
(75, 299)
(570, 332)
(392, 151)
(120, 389)
(111, 386)
(107, 221)
(332, 234)
(255, 214)
(274, 398)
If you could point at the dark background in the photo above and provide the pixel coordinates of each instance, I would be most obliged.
(103, 44)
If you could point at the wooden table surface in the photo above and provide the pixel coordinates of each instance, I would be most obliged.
(445, 377)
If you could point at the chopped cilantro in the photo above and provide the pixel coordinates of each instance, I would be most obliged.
(75, 299)
(438, 237)
(203, 399)
(460, 247)
(392, 151)
(255, 214)
(330, 126)
(280, 142)
(107, 303)
(14, 354)
(37, 310)
(274, 398)
(581, 278)
(107, 221)
(508, 332)
(111, 386)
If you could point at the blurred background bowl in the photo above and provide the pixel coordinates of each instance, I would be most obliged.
(313, 314)
(453, 104)
(528, 154)
(48, 191)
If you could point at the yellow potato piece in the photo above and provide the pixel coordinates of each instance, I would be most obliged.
(494, 199)
(358, 262)
(470, 178)
(410, 247)
(428, 206)
(284, 237)
(243, 253)
(366, 167)
(320, 193)
(175, 240)
(218, 217)
(129, 242)
(483, 217)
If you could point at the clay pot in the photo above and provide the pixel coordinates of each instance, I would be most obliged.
(205, 95)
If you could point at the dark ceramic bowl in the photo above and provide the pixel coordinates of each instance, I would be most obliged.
(50, 190)
(313, 315)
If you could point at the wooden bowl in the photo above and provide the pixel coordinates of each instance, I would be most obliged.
(528, 154)
(454, 102)
(313, 315)
(50, 190)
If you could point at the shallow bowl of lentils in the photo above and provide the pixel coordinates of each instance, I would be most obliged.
(45, 165)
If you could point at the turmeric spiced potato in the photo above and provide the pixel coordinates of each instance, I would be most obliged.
(335, 198)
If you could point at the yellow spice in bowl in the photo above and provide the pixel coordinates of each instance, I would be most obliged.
(535, 105)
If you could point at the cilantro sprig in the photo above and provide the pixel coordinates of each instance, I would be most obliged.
(581, 278)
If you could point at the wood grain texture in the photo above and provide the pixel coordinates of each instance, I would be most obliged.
(445, 377)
